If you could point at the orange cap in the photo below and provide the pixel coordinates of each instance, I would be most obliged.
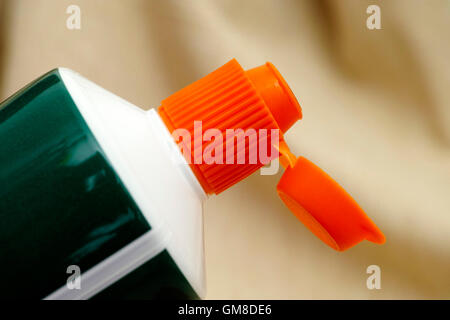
(231, 98)
(323, 205)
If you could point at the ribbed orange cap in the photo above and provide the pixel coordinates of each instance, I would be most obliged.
(231, 98)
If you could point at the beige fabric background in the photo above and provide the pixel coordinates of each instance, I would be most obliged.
(376, 117)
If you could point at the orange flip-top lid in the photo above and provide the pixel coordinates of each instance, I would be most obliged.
(231, 98)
